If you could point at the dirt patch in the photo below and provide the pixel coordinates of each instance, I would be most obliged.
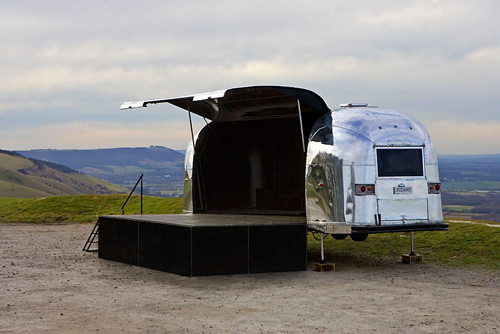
(47, 284)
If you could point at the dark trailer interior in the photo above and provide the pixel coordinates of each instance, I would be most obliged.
(251, 158)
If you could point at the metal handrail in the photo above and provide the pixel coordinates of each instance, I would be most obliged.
(133, 189)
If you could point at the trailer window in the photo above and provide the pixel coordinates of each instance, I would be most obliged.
(400, 162)
(323, 135)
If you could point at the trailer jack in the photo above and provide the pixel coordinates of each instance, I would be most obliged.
(322, 265)
(412, 257)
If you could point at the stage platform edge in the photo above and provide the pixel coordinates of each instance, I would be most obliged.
(206, 244)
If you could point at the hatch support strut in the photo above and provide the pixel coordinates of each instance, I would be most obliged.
(301, 128)
(198, 177)
(191, 125)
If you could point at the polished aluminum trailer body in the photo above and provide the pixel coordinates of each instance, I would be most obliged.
(373, 170)
(276, 150)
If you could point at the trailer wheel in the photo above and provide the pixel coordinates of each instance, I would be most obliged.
(339, 236)
(359, 237)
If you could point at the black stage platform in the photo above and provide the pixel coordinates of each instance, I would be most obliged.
(206, 244)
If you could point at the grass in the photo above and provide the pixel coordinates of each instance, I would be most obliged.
(11, 162)
(81, 208)
(15, 190)
(99, 182)
(464, 245)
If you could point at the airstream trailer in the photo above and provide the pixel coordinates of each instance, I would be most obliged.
(273, 150)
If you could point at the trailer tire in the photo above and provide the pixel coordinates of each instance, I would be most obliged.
(339, 236)
(359, 237)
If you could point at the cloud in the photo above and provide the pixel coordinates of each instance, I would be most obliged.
(24, 106)
(85, 135)
(63, 78)
(74, 63)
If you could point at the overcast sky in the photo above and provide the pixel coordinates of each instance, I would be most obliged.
(66, 66)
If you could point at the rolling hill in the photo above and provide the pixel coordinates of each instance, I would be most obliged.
(23, 178)
(163, 168)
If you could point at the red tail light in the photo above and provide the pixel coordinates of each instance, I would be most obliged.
(434, 188)
(364, 189)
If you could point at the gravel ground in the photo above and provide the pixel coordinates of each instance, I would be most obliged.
(48, 284)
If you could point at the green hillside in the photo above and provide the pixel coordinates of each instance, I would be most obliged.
(9, 189)
(163, 168)
(25, 178)
(10, 160)
(81, 208)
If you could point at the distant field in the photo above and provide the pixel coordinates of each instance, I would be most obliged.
(460, 215)
(129, 170)
(458, 208)
(471, 185)
(460, 212)
(174, 189)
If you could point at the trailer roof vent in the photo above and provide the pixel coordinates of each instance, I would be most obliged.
(353, 105)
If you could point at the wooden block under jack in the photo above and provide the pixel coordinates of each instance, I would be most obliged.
(325, 266)
(412, 258)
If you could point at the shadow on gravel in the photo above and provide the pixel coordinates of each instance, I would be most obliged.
(351, 259)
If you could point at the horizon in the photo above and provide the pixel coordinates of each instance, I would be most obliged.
(177, 150)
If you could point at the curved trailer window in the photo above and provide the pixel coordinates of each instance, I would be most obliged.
(400, 162)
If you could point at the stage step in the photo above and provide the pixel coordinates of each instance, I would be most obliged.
(93, 238)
